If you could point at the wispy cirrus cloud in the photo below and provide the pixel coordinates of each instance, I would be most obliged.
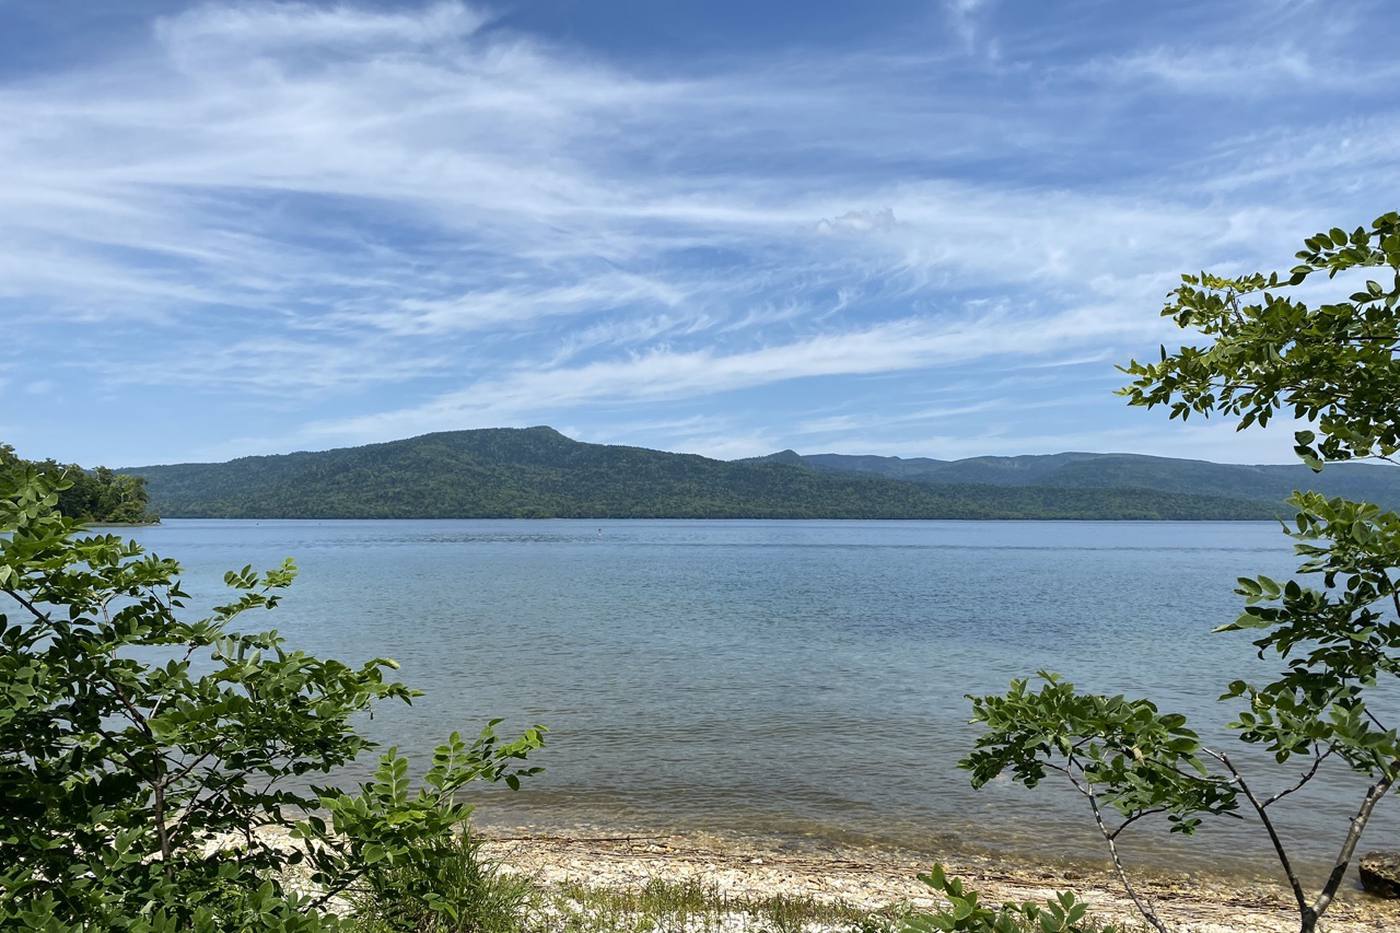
(666, 373)
(1216, 71)
(262, 25)
(380, 221)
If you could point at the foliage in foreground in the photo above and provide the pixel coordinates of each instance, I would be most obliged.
(1063, 914)
(98, 496)
(153, 769)
(1336, 630)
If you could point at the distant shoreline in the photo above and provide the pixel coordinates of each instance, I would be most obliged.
(690, 518)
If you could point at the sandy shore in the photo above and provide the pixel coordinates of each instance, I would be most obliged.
(873, 878)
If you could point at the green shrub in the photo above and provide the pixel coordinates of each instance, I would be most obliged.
(153, 769)
(456, 890)
(965, 912)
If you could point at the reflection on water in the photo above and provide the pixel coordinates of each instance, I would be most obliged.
(800, 679)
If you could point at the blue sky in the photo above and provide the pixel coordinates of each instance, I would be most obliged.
(728, 228)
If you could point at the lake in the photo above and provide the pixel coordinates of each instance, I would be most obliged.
(801, 680)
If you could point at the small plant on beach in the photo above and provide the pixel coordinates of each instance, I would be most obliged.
(154, 769)
(1063, 914)
(1337, 630)
(444, 890)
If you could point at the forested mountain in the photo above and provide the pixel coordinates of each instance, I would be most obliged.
(538, 472)
(94, 496)
(1267, 483)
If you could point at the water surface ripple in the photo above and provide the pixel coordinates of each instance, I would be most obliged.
(789, 678)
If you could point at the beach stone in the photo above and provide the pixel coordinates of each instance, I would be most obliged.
(1380, 873)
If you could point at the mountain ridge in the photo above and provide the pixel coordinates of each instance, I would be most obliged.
(539, 472)
(1081, 469)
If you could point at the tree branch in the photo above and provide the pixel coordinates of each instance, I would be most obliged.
(1358, 825)
(133, 713)
(1087, 789)
(1298, 894)
(1394, 590)
(1145, 909)
(1133, 819)
(33, 610)
(1311, 773)
(189, 653)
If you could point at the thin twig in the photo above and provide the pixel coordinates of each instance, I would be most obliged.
(1129, 821)
(1394, 589)
(1145, 909)
(1298, 894)
(1087, 789)
(155, 707)
(34, 610)
(1311, 773)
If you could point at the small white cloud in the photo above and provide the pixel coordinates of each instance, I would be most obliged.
(963, 16)
(873, 221)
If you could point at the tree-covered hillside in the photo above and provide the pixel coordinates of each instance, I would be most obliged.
(95, 496)
(1267, 483)
(538, 472)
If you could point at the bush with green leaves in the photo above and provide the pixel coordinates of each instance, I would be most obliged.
(1062, 914)
(457, 889)
(1336, 629)
(403, 848)
(157, 773)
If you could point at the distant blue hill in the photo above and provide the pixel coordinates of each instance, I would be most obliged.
(1262, 483)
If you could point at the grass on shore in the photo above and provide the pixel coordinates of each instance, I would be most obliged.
(694, 906)
(487, 899)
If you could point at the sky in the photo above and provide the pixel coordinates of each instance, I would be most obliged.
(905, 228)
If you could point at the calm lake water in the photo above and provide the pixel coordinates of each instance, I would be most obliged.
(799, 680)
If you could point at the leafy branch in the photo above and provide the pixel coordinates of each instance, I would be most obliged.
(1335, 629)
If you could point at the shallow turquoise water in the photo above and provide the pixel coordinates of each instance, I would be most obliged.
(795, 679)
